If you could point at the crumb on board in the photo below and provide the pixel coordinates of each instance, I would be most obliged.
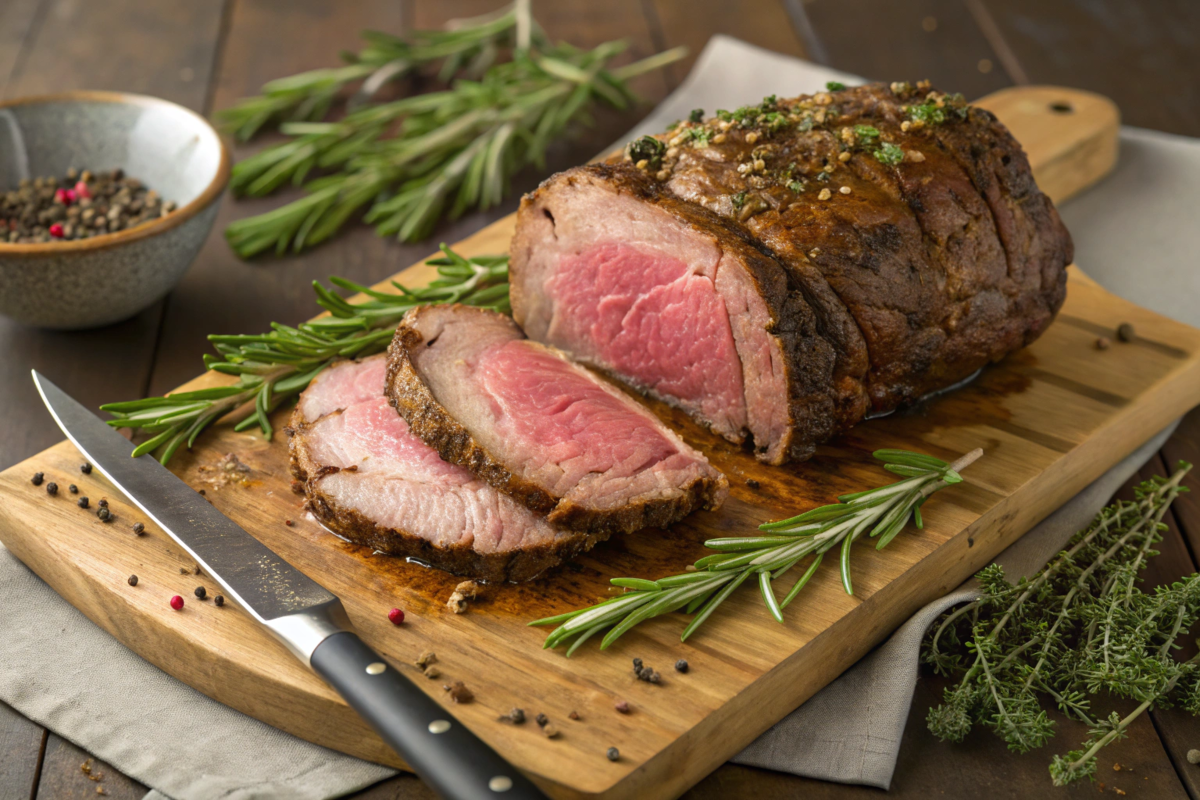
(459, 693)
(465, 591)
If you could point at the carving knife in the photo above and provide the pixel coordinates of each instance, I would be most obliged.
(307, 617)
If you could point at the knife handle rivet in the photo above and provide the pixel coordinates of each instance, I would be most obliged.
(376, 667)
(439, 726)
(500, 783)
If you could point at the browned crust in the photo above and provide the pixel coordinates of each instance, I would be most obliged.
(428, 420)
(523, 564)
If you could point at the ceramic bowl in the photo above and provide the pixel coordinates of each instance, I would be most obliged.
(93, 282)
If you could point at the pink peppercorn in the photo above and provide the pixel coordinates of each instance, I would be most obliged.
(396, 616)
(65, 196)
(82, 191)
(177, 603)
(56, 230)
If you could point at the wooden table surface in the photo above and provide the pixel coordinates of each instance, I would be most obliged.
(205, 54)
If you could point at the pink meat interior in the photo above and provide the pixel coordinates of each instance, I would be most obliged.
(651, 317)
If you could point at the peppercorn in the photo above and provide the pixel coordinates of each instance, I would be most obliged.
(1125, 332)
(621, 706)
(396, 616)
(637, 665)
(550, 731)
(82, 502)
(541, 720)
(288, 522)
(612, 753)
(459, 693)
(516, 716)
(573, 715)
(73, 489)
(37, 478)
(132, 580)
(753, 484)
(681, 665)
(177, 603)
(219, 600)
(139, 528)
(85, 468)
(200, 593)
(52, 488)
(104, 514)
(1103, 343)
(103, 502)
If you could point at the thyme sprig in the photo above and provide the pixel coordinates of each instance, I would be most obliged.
(415, 159)
(879, 513)
(466, 47)
(1078, 627)
(273, 367)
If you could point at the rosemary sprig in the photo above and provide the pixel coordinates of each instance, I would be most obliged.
(420, 157)
(880, 513)
(272, 367)
(1078, 627)
(465, 47)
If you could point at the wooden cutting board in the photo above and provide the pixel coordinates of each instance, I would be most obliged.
(1050, 419)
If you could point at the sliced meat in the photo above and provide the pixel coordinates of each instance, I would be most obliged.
(677, 302)
(907, 223)
(540, 428)
(369, 479)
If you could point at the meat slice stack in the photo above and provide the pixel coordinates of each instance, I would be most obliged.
(781, 271)
(370, 480)
(539, 427)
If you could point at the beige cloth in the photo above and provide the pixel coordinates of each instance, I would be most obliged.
(1133, 234)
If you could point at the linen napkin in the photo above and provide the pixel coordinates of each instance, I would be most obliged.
(65, 673)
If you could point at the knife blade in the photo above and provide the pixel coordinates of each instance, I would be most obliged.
(306, 616)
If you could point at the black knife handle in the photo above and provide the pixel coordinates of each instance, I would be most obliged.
(439, 748)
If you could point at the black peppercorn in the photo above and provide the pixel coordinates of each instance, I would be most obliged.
(753, 484)
(201, 593)
(541, 720)
(1125, 332)
(73, 489)
(51, 488)
(681, 665)
(139, 528)
(613, 753)
(103, 513)
(82, 502)
(133, 580)
(103, 502)
(36, 480)
(85, 468)
(219, 600)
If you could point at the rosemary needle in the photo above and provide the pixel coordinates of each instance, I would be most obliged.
(879, 513)
(276, 366)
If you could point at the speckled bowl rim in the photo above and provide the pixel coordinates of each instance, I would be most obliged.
(211, 192)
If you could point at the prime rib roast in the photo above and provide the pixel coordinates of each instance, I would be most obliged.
(370, 480)
(540, 428)
(784, 270)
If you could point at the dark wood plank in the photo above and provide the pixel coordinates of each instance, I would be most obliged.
(65, 777)
(122, 44)
(760, 22)
(1142, 55)
(20, 753)
(1184, 445)
(934, 39)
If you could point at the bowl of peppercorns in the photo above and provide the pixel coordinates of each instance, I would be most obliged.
(105, 200)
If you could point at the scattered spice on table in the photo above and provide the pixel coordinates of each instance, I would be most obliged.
(645, 673)
(1125, 332)
(139, 528)
(201, 593)
(177, 603)
(104, 514)
(288, 522)
(1103, 343)
(52, 488)
(104, 502)
(219, 600)
(82, 502)
(73, 489)
(459, 693)
(612, 753)
(753, 484)
(426, 658)
(432, 672)
(396, 616)
(132, 580)
(550, 730)
(37, 478)
(195, 569)
(78, 205)
(184, 570)
(573, 715)
(622, 706)
(85, 468)
(541, 720)
(467, 590)
(681, 665)
(516, 716)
